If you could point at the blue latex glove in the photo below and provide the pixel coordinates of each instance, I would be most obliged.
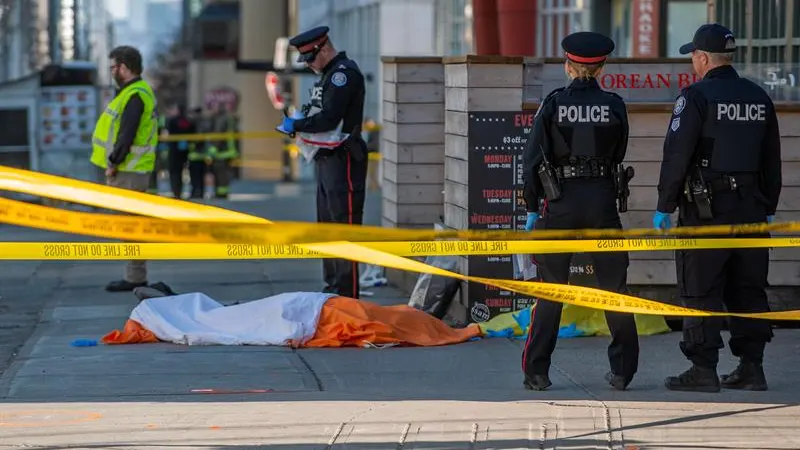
(287, 126)
(661, 221)
(531, 222)
(770, 219)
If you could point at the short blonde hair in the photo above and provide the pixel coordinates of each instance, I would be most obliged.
(585, 71)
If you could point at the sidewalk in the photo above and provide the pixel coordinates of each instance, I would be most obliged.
(466, 396)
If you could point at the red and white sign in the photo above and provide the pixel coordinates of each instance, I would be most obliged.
(272, 83)
(647, 80)
(223, 96)
(646, 28)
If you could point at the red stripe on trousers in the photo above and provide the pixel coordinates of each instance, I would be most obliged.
(527, 341)
(350, 219)
(533, 313)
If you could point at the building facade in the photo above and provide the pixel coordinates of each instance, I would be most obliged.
(640, 28)
(34, 33)
(369, 29)
(768, 32)
(768, 37)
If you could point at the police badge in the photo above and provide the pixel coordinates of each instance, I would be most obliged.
(679, 105)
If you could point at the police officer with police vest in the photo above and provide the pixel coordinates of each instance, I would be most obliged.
(337, 100)
(125, 140)
(721, 165)
(573, 160)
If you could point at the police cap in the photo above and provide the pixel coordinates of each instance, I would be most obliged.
(712, 38)
(308, 43)
(587, 47)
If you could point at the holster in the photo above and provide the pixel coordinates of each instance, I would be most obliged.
(622, 178)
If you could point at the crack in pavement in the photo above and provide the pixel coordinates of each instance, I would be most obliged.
(605, 408)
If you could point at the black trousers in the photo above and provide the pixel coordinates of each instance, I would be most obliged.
(222, 170)
(177, 161)
(732, 279)
(197, 177)
(341, 179)
(585, 203)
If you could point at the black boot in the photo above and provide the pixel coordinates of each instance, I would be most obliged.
(123, 286)
(696, 379)
(537, 382)
(747, 376)
(618, 382)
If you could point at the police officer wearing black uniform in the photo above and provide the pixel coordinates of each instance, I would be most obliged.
(337, 98)
(579, 138)
(721, 165)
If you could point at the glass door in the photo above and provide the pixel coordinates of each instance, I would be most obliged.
(16, 136)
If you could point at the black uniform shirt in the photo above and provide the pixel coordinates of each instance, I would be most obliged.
(128, 126)
(339, 96)
(581, 120)
(727, 125)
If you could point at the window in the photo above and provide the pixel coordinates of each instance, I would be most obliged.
(683, 19)
(454, 27)
(557, 19)
(621, 27)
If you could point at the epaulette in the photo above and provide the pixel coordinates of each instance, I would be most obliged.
(549, 97)
(553, 93)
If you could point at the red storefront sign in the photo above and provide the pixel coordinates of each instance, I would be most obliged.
(222, 96)
(646, 28)
(647, 80)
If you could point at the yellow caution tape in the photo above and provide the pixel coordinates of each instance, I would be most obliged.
(147, 229)
(229, 228)
(575, 295)
(129, 228)
(118, 199)
(222, 220)
(570, 294)
(222, 136)
(215, 251)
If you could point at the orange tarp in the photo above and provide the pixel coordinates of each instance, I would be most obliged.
(347, 322)
(133, 333)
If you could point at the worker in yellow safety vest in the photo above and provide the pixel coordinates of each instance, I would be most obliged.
(222, 152)
(125, 140)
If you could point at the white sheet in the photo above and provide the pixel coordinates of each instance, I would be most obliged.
(197, 319)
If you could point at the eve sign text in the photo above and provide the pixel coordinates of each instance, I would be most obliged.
(523, 120)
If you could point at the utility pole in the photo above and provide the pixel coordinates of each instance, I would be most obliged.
(54, 31)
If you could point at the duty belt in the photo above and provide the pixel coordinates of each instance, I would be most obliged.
(731, 182)
(589, 169)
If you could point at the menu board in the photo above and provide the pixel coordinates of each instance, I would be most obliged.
(496, 144)
(67, 117)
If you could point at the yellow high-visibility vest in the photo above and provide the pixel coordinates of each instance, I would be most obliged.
(142, 156)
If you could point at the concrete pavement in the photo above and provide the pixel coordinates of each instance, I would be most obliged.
(156, 396)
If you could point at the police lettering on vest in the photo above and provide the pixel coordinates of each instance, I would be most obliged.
(584, 113)
(316, 93)
(742, 112)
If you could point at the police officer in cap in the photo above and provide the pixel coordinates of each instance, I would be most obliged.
(337, 99)
(721, 165)
(579, 137)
